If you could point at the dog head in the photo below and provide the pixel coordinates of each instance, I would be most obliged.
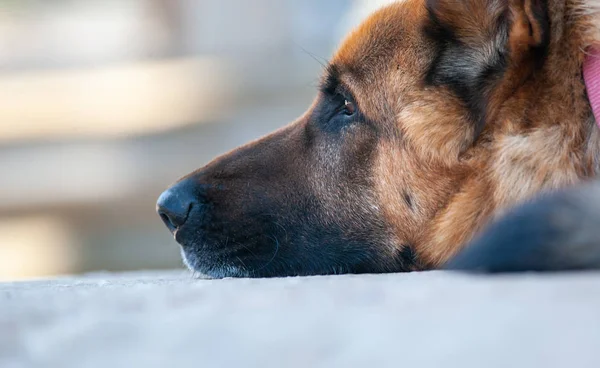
(386, 171)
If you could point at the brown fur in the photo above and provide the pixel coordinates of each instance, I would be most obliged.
(536, 141)
(439, 162)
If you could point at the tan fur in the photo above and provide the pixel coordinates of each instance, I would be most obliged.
(539, 135)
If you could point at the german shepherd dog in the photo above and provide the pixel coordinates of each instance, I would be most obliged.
(453, 134)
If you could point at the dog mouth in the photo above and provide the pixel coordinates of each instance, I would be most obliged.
(211, 268)
(217, 256)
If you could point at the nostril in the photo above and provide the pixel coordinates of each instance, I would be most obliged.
(174, 220)
(167, 220)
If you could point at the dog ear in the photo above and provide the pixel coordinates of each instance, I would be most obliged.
(485, 48)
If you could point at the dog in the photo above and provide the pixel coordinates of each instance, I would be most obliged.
(445, 134)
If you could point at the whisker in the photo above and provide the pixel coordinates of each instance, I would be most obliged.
(273, 257)
(242, 262)
(323, 62)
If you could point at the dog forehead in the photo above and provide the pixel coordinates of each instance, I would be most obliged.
(387, 34)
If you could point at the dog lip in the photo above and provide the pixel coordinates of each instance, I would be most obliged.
(177, 235)
(213, 268)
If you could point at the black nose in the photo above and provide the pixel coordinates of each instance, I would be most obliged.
(174, 204)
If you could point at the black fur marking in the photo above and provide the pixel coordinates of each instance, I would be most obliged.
(542, 17)
(408, 200)
(407, 259)
(463, 69)
(331, 80)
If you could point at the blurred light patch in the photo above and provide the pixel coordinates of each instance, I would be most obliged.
(113, 101)
(67, 174)
(35, 246)
(93, 98)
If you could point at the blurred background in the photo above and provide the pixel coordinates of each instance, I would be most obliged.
(104, 103)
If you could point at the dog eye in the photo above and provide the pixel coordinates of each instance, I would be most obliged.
(349, 107)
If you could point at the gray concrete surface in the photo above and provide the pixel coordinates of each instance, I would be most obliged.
(432, 319)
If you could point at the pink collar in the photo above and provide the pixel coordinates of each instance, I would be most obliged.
(591, 75)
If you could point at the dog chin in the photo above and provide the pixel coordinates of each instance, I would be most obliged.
(211, 270)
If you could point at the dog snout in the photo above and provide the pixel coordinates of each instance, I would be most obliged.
(175, 204)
